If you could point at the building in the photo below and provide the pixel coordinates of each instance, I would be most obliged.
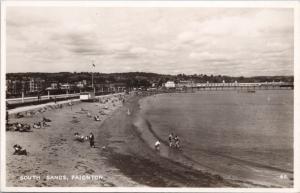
(110, 87)
(170, 84)
(65, 86)
(54, 86)
(36, 85)
(185, 83)
(87, 96)
(80, 85)
(17, 87)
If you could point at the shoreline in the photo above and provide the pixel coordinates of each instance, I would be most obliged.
(233, 163)
(122, 157)
(137, 160)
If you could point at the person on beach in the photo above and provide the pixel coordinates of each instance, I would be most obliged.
(92, 140)
(177, 142)
(19, 150)
(7, 117)
(171, 137)
(97, 118)
(156, 145)
(39, 97)
(71, 104)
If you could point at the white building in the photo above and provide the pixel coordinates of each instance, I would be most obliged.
(170, 84)
(186, 83)
(87, 96)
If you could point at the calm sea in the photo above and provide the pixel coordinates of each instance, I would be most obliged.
(233, 133)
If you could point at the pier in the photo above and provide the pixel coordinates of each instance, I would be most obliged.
(238, 86)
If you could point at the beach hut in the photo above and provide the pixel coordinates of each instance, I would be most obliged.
(87, 96)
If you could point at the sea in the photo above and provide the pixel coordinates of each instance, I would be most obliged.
(242, 136)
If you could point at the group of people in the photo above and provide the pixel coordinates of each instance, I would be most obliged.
(83, 138)
(41, 124)
(21, 127)
(174, 141)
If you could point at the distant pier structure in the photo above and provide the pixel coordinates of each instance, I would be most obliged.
(237, 86)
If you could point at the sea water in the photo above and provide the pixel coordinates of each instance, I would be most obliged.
(231, 132)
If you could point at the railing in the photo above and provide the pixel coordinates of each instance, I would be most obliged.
(42, 98)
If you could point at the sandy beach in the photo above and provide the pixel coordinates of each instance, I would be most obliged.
(54, 152)
(121, 157)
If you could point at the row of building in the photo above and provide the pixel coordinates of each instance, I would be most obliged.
(34, 86)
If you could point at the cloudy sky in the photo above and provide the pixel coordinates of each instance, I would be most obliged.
(227, 41)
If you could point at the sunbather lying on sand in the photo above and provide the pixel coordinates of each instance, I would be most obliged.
(102, 113)
(82, 109)
(97, 118)
(19, 150)
(19, 115)
(44, 124)
(89, 114)
(80, 138)
(37, 125)
(46, 120)
(22, 127)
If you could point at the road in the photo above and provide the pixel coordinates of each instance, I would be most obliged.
(45, 97)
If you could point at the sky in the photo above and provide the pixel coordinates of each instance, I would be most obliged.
(219, 41)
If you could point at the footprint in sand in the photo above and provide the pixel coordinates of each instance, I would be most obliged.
(85, 168)
(89, 171)
(44, 148)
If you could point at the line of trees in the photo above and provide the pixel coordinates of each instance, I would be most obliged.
(139, 79)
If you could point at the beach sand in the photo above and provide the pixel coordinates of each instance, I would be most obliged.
(121, 157)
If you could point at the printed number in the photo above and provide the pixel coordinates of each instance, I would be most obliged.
(283, 176)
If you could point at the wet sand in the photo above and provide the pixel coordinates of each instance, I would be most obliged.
(139, 161)
(121, 157)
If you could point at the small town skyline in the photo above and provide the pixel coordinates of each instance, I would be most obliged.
(227, 41)
(33, 83)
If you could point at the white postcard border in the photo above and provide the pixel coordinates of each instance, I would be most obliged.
(235, 4)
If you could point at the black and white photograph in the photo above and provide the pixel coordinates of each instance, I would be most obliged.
(157, 95)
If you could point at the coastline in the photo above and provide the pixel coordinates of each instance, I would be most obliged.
(121, 157)
(226, 165)
(130, 153)
(124, 155)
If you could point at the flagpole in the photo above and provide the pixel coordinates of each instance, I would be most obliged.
(93, 65)
(93, 77)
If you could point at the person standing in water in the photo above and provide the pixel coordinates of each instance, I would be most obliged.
(128, 112)
(171, 136)
(177, 142)
(156, 145)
